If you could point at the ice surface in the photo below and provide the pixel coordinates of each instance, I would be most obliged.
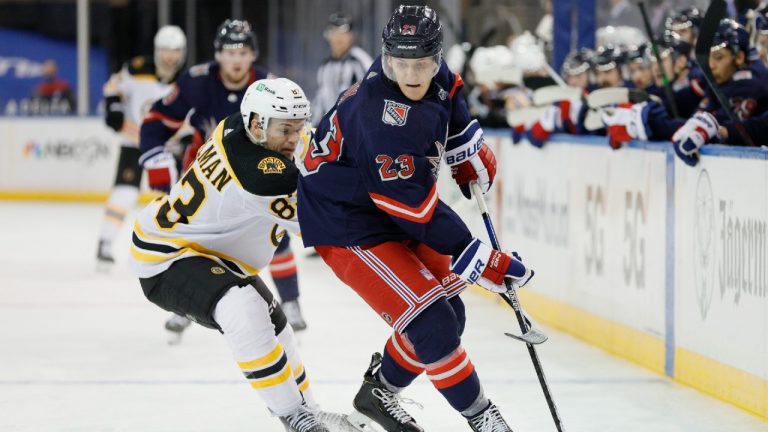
(82, 351)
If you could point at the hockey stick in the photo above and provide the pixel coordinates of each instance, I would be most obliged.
(511, 299)
(715, 13)
(665, 81)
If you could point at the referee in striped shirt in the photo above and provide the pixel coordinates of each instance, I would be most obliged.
(347, 65)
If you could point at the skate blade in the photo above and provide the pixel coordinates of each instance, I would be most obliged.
(362, 423)
(337, 422)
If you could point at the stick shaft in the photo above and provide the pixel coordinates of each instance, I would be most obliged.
(511, 299)
(655, 48)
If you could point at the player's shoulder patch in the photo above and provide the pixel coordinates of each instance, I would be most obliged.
(261, 171)
(141, 65)
(200, 70)
(395, 113)
(742, 75)
(271, 165)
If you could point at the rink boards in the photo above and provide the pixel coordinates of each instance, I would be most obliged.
(634, 251)
(646, 257)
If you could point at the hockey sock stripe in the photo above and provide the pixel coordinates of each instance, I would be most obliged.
(115, 214)
(301, 378)
(266, 360)
(283, 273)
(268, 371)
(448, 363)
(453, 377)
(402, 358)
(283, 258)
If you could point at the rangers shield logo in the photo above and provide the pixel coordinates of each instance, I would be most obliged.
(395, 113)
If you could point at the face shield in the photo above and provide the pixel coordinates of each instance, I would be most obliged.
(410, 69)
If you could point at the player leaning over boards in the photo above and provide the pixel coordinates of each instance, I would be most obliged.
(369, 205)
(127, 97)
(212, 91)
(198, 250)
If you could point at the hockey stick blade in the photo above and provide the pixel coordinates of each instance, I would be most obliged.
(551, 94)
(593, 121)
(615, 95)
(525, 116)
(533, 336)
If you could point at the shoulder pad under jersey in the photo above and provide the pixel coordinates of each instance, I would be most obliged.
(261, 171)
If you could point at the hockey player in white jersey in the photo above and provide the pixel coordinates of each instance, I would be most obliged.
(129, 94)
(198, 250)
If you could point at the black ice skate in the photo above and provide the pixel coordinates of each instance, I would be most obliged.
(292, 312)
(375, 403)
(176, 325)
(104, 259)
(489, 420)
(303, 420)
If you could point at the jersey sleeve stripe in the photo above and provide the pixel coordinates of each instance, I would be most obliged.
(167, 121)
(421, 214)
(457, 83)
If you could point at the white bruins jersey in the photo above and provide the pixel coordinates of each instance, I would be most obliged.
(233, 205)
(139, 87)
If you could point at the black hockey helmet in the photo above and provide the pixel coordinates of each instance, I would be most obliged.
(639, 54)
(235, 34)
(577, 62)
(689, 17)
(413, 32)
(340, 21)
(731, 34)
(608, 57)
(671, 40)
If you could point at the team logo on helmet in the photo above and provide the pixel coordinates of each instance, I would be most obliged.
(271, 165)
(408, 29)
(395, 113)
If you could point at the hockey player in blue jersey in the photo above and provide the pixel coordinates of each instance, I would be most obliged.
(747, 95)
(369, 205)
(212, 91)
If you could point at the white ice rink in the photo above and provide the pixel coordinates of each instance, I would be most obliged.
(81, 351)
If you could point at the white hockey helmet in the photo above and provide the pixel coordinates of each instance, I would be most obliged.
(268, 99)
(171, 37)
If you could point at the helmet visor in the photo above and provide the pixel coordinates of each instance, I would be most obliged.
(410, 69)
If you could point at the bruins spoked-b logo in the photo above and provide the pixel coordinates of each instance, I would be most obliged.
(217, 270)
(271, 165)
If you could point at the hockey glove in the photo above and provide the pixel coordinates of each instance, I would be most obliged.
(487, 267)
(540, 132)
(162, 172)
(114, 112)
(480, 167)
(697, 131)
(626, 123)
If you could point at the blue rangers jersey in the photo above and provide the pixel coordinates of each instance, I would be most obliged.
(199, 88)
(369, 174)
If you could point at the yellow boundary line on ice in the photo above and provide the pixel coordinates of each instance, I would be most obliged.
(65, 196)
(741, 389)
